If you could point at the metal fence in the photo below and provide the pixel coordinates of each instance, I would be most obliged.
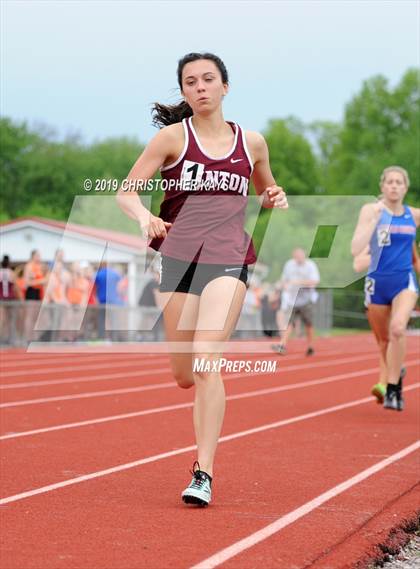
(349, 309)
(23, 322)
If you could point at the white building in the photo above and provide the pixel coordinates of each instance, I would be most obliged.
(20, 236)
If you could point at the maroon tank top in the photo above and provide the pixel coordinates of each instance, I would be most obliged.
(205, 200)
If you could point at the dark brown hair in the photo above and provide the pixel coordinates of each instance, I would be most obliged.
(164, 115)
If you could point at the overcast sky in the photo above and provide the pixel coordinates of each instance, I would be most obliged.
(94, 67)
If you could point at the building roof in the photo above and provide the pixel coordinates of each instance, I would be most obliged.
(113, 237)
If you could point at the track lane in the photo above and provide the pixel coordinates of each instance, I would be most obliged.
(264, 391)
(53, 455)
(23, 396)
(53, 412)
(52, 538)
(326, 520)
(56, 375)
(258, 479)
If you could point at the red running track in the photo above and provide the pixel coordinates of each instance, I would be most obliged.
(92, 470)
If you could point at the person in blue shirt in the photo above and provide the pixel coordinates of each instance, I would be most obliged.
(386, 231)
(106, 281)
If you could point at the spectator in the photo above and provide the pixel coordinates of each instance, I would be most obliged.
(77, 296)
(55, 291)
(150, 294)
(78, 289)
(35, 278)
(106, 281)
(251, 301)
(55, 296)
(269, 307)
(123, 286)
(65, 274)
(88, 273)
(149, 301)
(9, 291)
(299, 279)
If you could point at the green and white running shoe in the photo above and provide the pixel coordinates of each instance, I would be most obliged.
(379, 391)
(199, 490)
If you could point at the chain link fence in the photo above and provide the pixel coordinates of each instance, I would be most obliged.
(23, 322)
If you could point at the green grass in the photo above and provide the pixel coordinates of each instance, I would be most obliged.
(342, 332)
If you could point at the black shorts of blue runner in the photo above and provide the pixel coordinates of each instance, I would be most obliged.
(192, 277)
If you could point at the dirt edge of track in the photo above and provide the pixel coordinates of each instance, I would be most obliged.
(398, 538)
(385, 534)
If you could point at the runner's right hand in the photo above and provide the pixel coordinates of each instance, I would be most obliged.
(377, 209)
(153, 227)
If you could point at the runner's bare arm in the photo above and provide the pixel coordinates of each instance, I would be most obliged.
(159, 150)
(368, 218)
(415, 212)
(262, 177)
(362, 261)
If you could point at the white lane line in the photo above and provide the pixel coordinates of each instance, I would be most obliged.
(236, 548)
(28, 358)
(159, 385)
(49, 370)
(82, 379)
(140, 363)
(154, 458)
(88, 358)
(288, 387)
(127, 374)
(150, 387)
(64, 359)
(76, 380)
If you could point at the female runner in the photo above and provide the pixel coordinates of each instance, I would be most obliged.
(362, 263)
(386, 231)
(206, 164)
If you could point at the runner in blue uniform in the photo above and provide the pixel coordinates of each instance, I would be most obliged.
(387, 230)
(362, 263)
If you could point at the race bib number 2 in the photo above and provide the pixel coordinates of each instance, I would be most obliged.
(384, 237)
(370, 285)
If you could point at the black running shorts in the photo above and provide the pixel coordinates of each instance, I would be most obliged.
(192, 277)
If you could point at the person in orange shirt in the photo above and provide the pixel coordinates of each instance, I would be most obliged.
(55, 290)
(55, 295)
(77, 296)
(78, 289)
(34, 276)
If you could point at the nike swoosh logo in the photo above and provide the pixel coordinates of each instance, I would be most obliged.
(237, 160)
(235, 269)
